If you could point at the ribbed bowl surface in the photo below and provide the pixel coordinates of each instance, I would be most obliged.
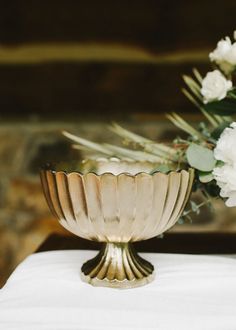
(117, 208)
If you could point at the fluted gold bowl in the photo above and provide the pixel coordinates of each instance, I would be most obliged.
(117, 209)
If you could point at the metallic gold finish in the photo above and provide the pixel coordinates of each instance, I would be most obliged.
(117, 265)
(117, 209)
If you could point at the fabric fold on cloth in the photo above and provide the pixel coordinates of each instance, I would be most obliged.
(189, 292)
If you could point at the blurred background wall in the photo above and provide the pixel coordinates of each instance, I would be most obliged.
(77, 65)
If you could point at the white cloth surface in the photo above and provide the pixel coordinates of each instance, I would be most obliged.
(190, 292)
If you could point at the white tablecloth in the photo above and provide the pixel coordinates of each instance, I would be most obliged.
(190, 292)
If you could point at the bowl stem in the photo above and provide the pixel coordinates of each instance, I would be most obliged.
(117, 265)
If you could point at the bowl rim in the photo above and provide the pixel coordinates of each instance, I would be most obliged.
(48, 168)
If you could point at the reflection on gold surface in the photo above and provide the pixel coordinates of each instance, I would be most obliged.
(117, 209)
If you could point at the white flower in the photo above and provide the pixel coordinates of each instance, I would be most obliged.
(230, 56)
(225, 175)
(223, 47)
(225, 54)
(235, 35)
(226, 179)
(225, 149)
(215, 86)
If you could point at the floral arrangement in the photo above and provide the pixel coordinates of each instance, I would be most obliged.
(210, 147)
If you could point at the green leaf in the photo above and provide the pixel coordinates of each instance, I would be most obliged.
(217, 132)
(205, 177)
(161, 168)
(200, 158)
(225, 107)
(219, 163)
(194, 206)
(181, 221)
(212, 189)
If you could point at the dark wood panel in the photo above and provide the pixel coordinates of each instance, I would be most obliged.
(105, 90)
(158, 24)
(171, 243)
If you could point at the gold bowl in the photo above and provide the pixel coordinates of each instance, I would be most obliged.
(117, 209)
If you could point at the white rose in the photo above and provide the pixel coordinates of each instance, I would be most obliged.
(225, 175)
(226, 146)
(230, 56)
(215, 86)
(223, 47)
(235, 35)
(225, 55)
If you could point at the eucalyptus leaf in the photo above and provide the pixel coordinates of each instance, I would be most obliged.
(205, 177)
(194, 206)
(161, 168)
(200, 158)
(181, 221)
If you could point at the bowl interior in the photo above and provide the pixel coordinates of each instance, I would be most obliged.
(106, 165)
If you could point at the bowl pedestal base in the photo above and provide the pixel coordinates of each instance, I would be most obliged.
(117, 265)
